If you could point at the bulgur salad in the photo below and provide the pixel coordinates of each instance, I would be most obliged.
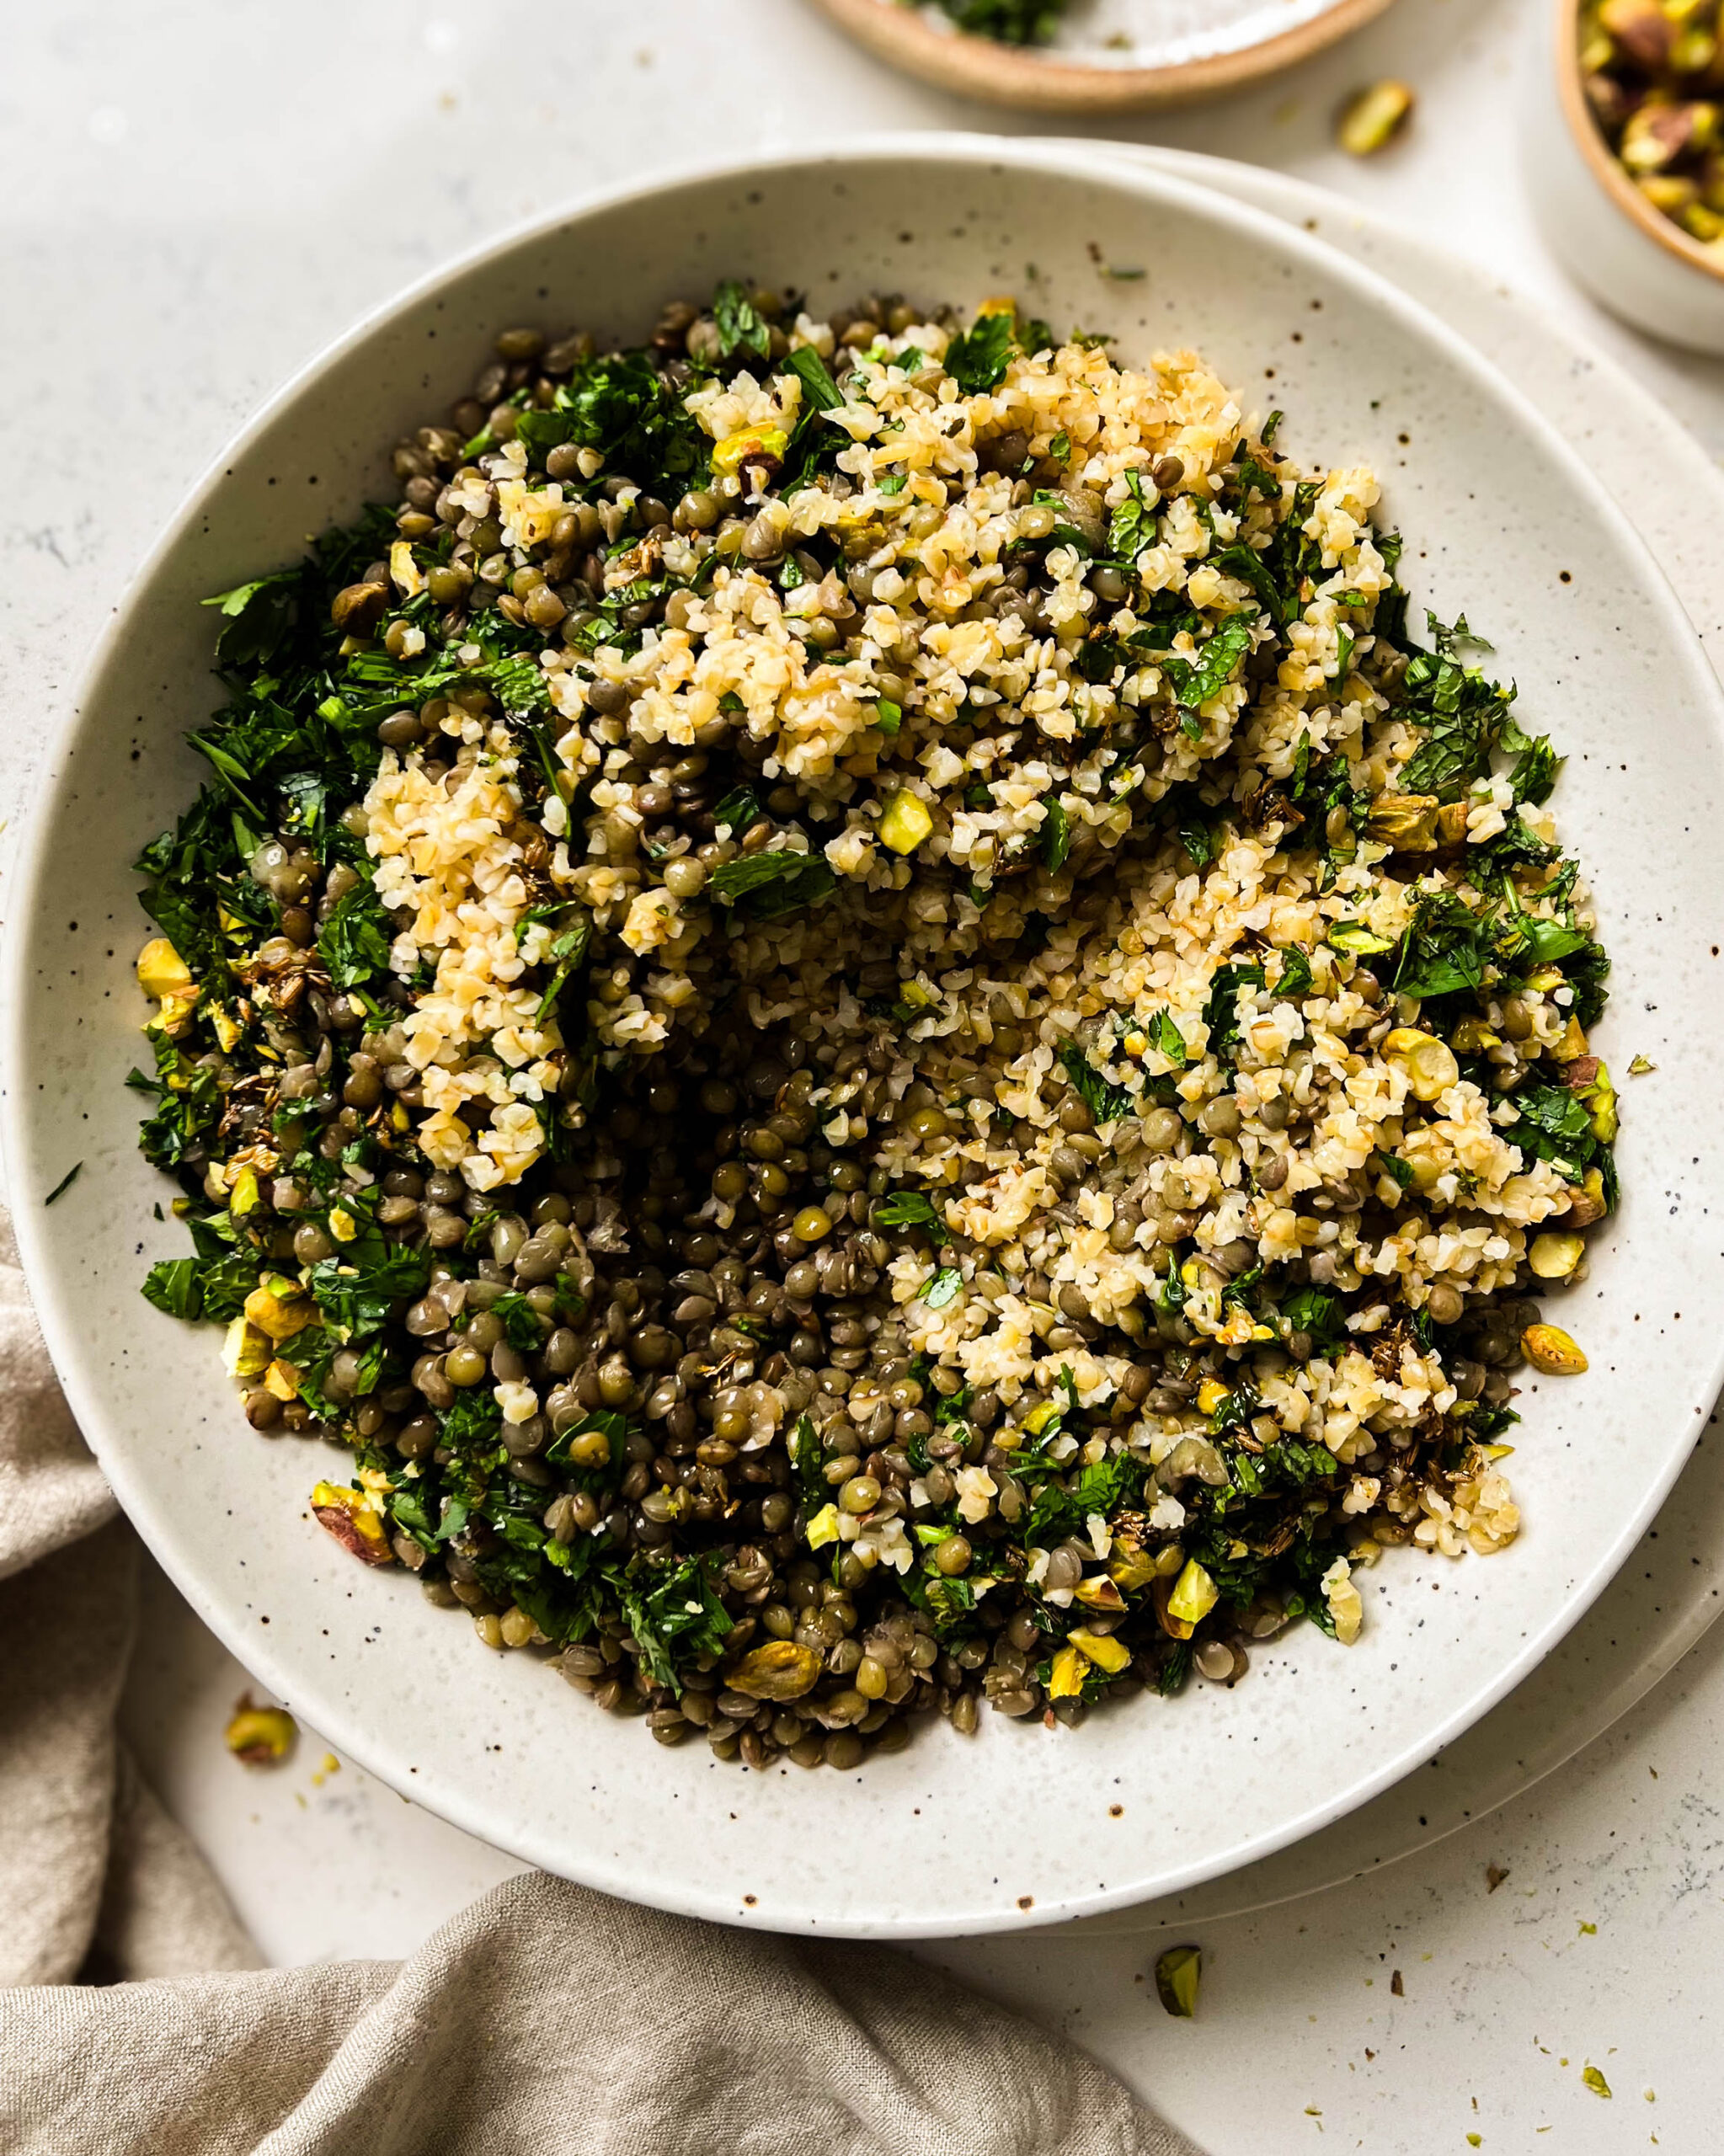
(852, 1009)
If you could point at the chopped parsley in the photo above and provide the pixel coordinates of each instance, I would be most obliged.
(945, 1286)
(354, 942)
(1009, 22)
(767, 885)
(1221, 1012)
(65, 1183)
(1105, 1102)
(1056, 836)
(907, 1208)
(741, 329)
(1195, 682)
(977, 359)
(1132, 527)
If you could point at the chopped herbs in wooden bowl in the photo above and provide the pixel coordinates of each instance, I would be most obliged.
(858, 1019)
(1011, 22)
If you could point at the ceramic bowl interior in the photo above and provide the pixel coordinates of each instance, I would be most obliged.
(1660, 231)
(1016, 1825)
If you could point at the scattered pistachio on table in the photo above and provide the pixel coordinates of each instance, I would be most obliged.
(1372, 118)
(1177, 1972)
(260, 1736)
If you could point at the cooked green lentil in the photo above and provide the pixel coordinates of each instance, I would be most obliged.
(856, 1012)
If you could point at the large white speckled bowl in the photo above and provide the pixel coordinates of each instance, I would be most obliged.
(1016, 1825)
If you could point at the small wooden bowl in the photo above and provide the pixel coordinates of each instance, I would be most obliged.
(1631, 257)
(1040, 79)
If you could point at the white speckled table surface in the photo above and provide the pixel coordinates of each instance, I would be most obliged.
(193, 198)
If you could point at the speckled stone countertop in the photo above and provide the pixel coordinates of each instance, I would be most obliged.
(193, 198)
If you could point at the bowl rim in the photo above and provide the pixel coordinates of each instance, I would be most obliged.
(1030, 79)
(53, 1291)
(1598, 160)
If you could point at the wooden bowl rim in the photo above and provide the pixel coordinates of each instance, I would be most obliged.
(1012, 75)
(1601, 161)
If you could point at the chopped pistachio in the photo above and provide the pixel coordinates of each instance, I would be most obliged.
(1554, 1257)
(1672, 193)
(1603, 1107)
(906, 822)
(1658, 133)
(246, 1351)
(1178, 1974)
(162, 972)
(1586, 1201)
(1639, 1068)
(1103, 1649)
(173, 1016)
(279, 1316)
(779, 1670)
(749, 445)
(1429, 1063)
(282, 1380)
(1549, 1348)
(1353, 936)
(1642, 29)
(1373, 117)
(405, 573)
(347, 1514)
(1595, 2081)
(1407, 822)
(1194, 1594)
(260, 1736)
(1129, 1565)
(1065, 1677)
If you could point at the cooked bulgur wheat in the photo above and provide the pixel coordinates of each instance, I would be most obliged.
(855, 1011)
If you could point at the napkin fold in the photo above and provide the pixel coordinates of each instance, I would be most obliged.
(137, 2021)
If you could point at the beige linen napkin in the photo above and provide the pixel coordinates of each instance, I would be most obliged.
(543, 2018)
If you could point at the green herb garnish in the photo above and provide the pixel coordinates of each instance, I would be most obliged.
(767, 885)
